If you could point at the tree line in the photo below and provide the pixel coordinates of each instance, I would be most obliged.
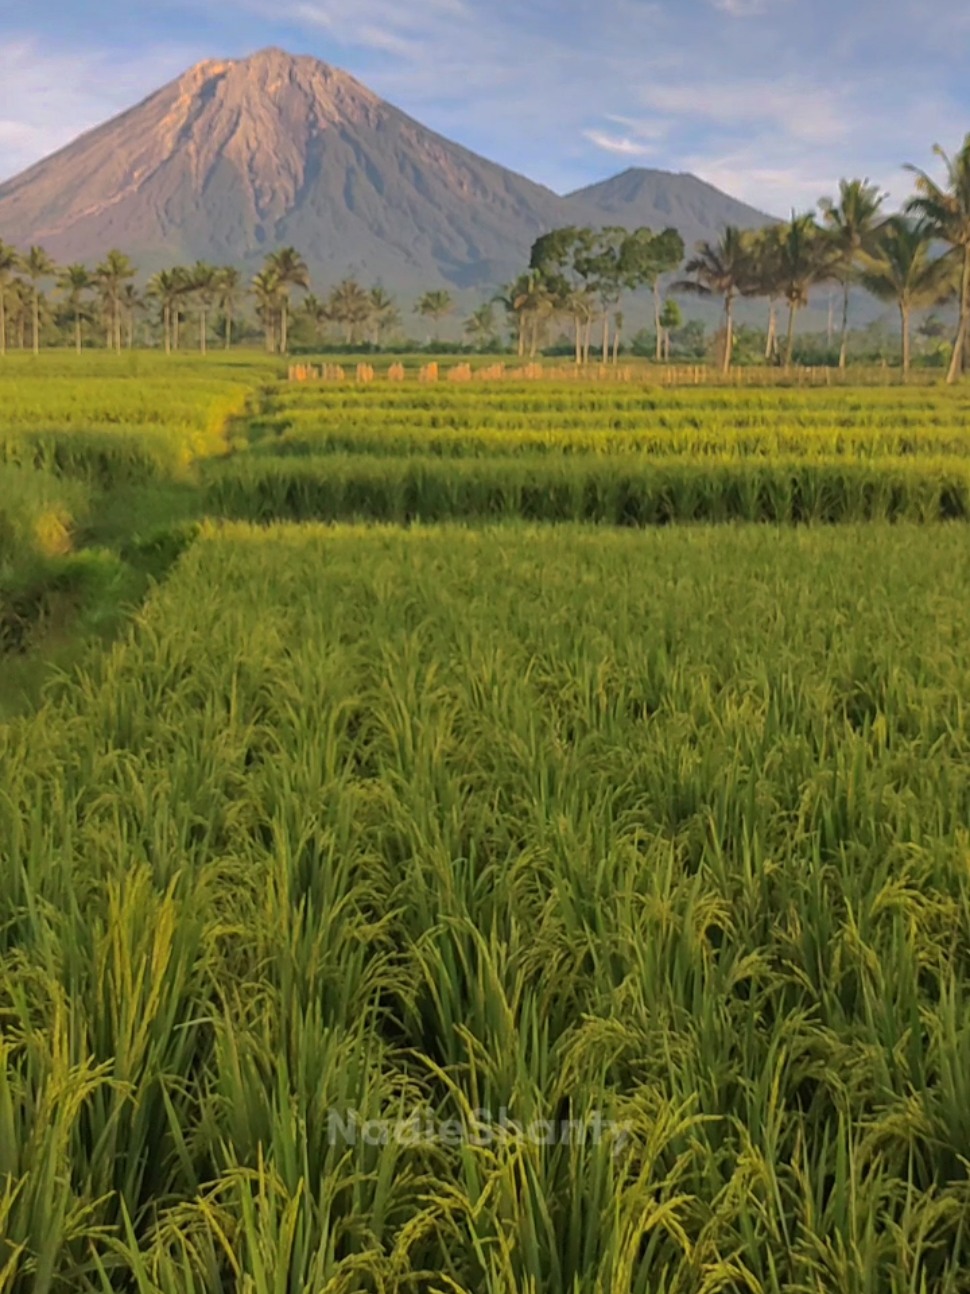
(914, 259)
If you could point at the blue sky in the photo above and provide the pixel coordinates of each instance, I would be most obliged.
(772, 100)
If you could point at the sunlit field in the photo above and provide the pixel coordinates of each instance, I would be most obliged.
(483, 837)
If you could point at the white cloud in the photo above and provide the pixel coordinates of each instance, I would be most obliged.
(621, 145)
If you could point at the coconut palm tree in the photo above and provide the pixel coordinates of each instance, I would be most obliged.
(37, 265)
(724, 269)
(946, 209)
(111, 275)
(9, 264)
(850, 223)
(435, 305)
(766, 280)
(578, 305)
(350, 306)
(228, 290)
(479, 327)
(205, 286)
(805, 258)
(75, 281)
(384, 314)
(131, 302)
(902, 269)
(270, 297)
(164, 287)
(290, 270)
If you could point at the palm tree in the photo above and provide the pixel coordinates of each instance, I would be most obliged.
(579, 306)
(205, 285)
(725, 270)
(805, 258)
(291, 271)
(74, 281)
(479, 327)
(350, 305)
(671, 317)
(165, 287)
(947, 213)
(130, 301)
(850, 224)
(385, 316)
(37, 265)
(902, 270)
(534, 302)
(270, 298)
(435, 305)
(228, 292)
(766, 280)
(9, 264)
(114, 271)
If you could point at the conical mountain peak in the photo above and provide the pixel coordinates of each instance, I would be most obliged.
(238, 156)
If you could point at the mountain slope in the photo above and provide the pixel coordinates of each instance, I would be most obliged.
(661, 198)
(235, 158)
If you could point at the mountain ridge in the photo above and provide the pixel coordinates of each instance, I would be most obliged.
(237, 156)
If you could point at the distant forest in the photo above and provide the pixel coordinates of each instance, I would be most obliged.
(573, 289)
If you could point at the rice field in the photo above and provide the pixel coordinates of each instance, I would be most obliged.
(456, 877)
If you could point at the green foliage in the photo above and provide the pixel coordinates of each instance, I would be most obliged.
(666, 825)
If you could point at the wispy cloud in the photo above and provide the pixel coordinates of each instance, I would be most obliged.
(620, 144)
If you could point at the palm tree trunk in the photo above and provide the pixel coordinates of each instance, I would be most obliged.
(956, 363)
(771, 341)
(904, 319)
(77, 331)
(728, 332)
(228, 325)
(656, 317)
(36, 321)
(167, 327)
(843, 353)
(175, 328)
(579, 340)
(606, 335)
(790, 344)
(284, 320)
